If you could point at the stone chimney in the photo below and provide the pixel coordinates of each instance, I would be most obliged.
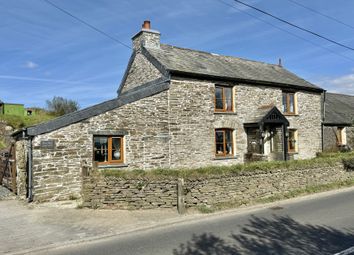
(146, 37)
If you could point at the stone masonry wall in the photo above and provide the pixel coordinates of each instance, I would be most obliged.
(57, 173)
(140, 72)
(330, 139)
(121, 193)
(193, 121)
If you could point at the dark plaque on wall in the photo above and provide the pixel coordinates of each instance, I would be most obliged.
(48, 144)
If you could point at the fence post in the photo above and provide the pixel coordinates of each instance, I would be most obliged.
(180, 196)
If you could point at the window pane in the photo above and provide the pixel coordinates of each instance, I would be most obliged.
(228, 137)
(220, 149)
(228, 99)
(218, 98)
(291, 106)
(116, 148)
(284, 102)
(292, 140)
(219, 136)
(100, 149)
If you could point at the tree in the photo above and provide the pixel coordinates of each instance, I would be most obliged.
(60, 106)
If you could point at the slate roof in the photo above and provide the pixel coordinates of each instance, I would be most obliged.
(186, 61)
(146, 90)
(264, 112)
(339, 109)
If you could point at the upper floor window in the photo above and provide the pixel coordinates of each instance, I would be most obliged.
(223, 142)
(289, 103)
(108, 149)
(223, 99)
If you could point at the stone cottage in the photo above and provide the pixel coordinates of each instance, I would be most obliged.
(338, 129)
(176, 108)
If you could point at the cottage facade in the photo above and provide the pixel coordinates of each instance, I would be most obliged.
(338, 129)
(176, 108)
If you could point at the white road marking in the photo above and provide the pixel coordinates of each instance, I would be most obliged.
(346, 252)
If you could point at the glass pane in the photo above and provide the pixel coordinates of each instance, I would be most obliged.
(291, 106)
(218, 98)
(284, 102)
(100, 148)
(219, 136)
(116, 148)
(292, 141)
(220, 149)
(228, 99)
(228, 137)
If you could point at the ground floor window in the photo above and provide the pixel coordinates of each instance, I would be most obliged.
(292, 141)
(108, 149)
(224, 142)
(341, 136)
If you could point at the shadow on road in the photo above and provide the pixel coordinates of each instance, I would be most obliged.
(279, 235)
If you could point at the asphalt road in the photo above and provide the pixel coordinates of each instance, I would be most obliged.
(323, 225)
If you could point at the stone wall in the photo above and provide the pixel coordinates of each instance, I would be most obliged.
(193, 121)
(140, 72)
(57, 173)
(122, 193)
(330, 139)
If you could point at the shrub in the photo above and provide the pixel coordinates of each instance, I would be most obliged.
(348, 164)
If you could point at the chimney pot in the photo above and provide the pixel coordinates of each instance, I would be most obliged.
(280, 63)
(146, 24)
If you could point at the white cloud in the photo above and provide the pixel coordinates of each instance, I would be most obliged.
(30, 65)
(343, 84)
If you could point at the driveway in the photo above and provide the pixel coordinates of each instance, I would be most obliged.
(26, 227)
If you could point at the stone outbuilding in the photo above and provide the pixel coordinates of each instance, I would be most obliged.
(176, 108)
(338, 129)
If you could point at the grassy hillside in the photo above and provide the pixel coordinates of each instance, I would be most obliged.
(17, 122)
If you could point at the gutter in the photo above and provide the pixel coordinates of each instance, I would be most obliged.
(323, 119)
(219, 78)
(29, 147)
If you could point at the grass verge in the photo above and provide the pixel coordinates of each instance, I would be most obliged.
(324, 159)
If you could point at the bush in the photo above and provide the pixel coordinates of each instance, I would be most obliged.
(60, 106)
(349, 164)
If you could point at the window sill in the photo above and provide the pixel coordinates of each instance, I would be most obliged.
(225, 158)
(226, 113)
(121, 165)
(293, 152)
(291, 114)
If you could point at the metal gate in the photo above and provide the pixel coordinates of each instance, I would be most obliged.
(8, 168)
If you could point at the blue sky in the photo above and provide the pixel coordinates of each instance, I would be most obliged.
(45, 53)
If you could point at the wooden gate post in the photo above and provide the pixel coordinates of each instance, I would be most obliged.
(180, 196)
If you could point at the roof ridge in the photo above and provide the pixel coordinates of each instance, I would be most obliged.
(221, 55)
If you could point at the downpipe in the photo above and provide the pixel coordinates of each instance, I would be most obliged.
(30, 170)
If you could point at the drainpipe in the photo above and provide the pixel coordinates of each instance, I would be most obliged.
(323, 118)
(30, 171)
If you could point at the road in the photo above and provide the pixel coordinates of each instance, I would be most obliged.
(320, 225)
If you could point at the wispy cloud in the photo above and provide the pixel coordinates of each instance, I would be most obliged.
(31, 65)
(24, 78)
(342, 84)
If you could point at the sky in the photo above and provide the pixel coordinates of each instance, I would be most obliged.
(46, 53)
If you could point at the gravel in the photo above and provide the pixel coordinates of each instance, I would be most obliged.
(5, 193)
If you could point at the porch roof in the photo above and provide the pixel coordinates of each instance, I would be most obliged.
(267, 115)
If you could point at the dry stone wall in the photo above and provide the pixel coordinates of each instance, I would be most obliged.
(123, 193)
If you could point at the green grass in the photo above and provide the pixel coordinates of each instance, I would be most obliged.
(24, 121)
(322, 160)
(2, 144)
